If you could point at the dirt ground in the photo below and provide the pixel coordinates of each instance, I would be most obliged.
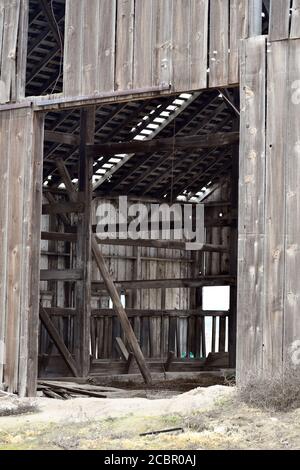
(210, 418)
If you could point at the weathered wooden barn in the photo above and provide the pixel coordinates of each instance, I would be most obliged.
(196, 101)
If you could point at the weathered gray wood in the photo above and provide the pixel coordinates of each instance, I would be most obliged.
(181, 44)
(193, 141)
(292, 262)
(255, 18)
(83, 247)
(106, 45)
(295, 23)
(162, 39)
(238, 31)
(73, 53)
(275, 201)
(143, 43)
(252, 136)
(250, 308)
(9, 49)
(198, 44)
(171, 283)
(279, 19)
(219, 43)
(124, 44)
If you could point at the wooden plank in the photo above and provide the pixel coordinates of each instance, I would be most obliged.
(83, 247)
(55, 336)
(199, 44)
(250, 309)
(162, 43)
(31, 221)
(124, 44)
(17, 143)
(219, 43)
(279, 18)
(295, 22)
(238, 31)
(165, 244)
(181, 44)
(277, 138)
(252, 136)
(73, 53)
(9, 48)
(106, 46)
(4, 205)
(291, 316)
(59, 236)
(62, 138)
(122, 348)
(255, 18)
(61, 274)
(218, 139)
(170, 283)
(90, 46)
(143, 44)
(22, 50)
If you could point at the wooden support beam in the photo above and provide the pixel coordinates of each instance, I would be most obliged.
(55, 336)
(62, 169)
(125, 323)
(62, 138)
(122, 349)
(170, 283)
(135, 312)
(59, 236)
(61, 275)
(60, 312)
(166, 244)
(193, 141)
(84, 232)
(63, 208)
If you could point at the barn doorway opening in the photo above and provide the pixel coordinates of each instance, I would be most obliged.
(181, 304)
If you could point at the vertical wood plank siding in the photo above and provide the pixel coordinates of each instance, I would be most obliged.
(12, 64)
(268, 287)
(21, 142)
(250, 306)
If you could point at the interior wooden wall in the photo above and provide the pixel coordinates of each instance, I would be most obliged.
(269, 240)
(21, 142)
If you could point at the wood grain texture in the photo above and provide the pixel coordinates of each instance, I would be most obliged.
(238, 31)
(21, 137)
(295, 22)
(250, 307)
(279, 19)
(275, 204)
(219, 43)
(292, 291)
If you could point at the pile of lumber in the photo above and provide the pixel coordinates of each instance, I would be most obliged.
(69, 390)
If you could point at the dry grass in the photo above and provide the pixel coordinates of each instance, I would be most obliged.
(279, 391)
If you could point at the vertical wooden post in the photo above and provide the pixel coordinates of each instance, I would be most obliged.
(233, 252)
(84, 261)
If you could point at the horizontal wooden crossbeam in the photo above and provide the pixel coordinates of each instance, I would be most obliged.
(158, 145)
(170, 283)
